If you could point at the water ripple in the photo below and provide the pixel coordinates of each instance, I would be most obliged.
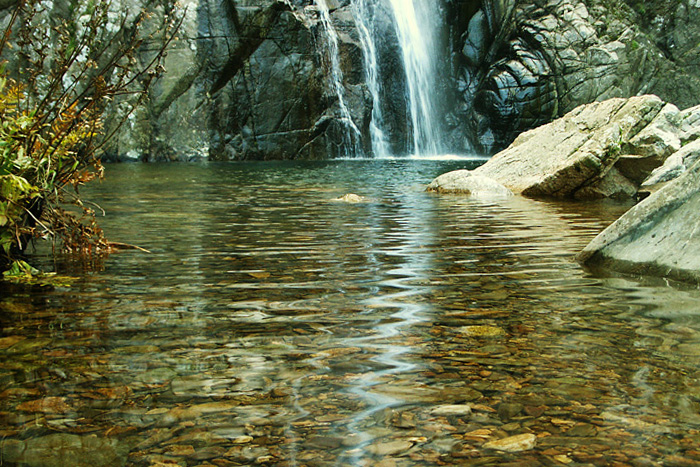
(273, 325)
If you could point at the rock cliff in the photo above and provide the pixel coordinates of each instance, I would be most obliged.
(251, 79)
(244, 80)
(525, 63)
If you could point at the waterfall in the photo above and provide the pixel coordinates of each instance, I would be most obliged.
(351, 133)
(364, 13)
(415, 25)
(416, 33)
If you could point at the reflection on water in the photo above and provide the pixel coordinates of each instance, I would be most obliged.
(274, 326)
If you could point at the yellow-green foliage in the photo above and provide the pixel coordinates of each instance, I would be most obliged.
(39, 155)
(16, 192)
(51, 104)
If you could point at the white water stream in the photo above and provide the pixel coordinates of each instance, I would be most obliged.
(352, 133)
(415, 24)
(364, 14)
(415, 28)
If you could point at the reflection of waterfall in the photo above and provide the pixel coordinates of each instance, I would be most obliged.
(351, 132)
(415, 26)
(403, 284)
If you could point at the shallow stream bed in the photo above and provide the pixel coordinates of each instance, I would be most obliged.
(272, 324)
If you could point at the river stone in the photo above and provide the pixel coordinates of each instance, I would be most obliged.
(481, 331)
(157, 375)
(9, 341)
(47, 405)
(574, 156)
(390, 448)
(451, 410)
(507, 410)
(517, 443)
(61, 449)
(659, 236)
(468, 183)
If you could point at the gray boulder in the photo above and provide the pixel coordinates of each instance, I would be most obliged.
(603, 149)
(659, 236)
(690, 124)
(675, 165)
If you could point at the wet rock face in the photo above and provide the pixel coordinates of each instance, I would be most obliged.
(525, 63)
(249, 80)
(256, 82)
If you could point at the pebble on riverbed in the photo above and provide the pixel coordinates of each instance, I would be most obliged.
(517, 443)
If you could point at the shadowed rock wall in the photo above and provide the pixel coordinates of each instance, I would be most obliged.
(248, 80)
(523, 63)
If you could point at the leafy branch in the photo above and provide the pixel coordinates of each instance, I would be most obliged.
(63, 78)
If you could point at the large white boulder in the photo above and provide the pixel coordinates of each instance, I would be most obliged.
(599, 150)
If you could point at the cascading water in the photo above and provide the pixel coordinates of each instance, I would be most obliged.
(364, 13)
(415, 25)
(351, 133)
(415, 30)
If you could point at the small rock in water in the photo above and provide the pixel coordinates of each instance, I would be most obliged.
(351, 198)
(467, 183)
(515, 443)
(507, 411)
(390, 448)
(242, 440)
(47, 405)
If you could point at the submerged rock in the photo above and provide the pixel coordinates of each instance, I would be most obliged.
(467, 182)
(517, 443)
(63, 449)
(351, 198)
(453, 410)
(482, 331)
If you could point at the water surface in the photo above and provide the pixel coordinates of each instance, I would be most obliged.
(274, 325)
